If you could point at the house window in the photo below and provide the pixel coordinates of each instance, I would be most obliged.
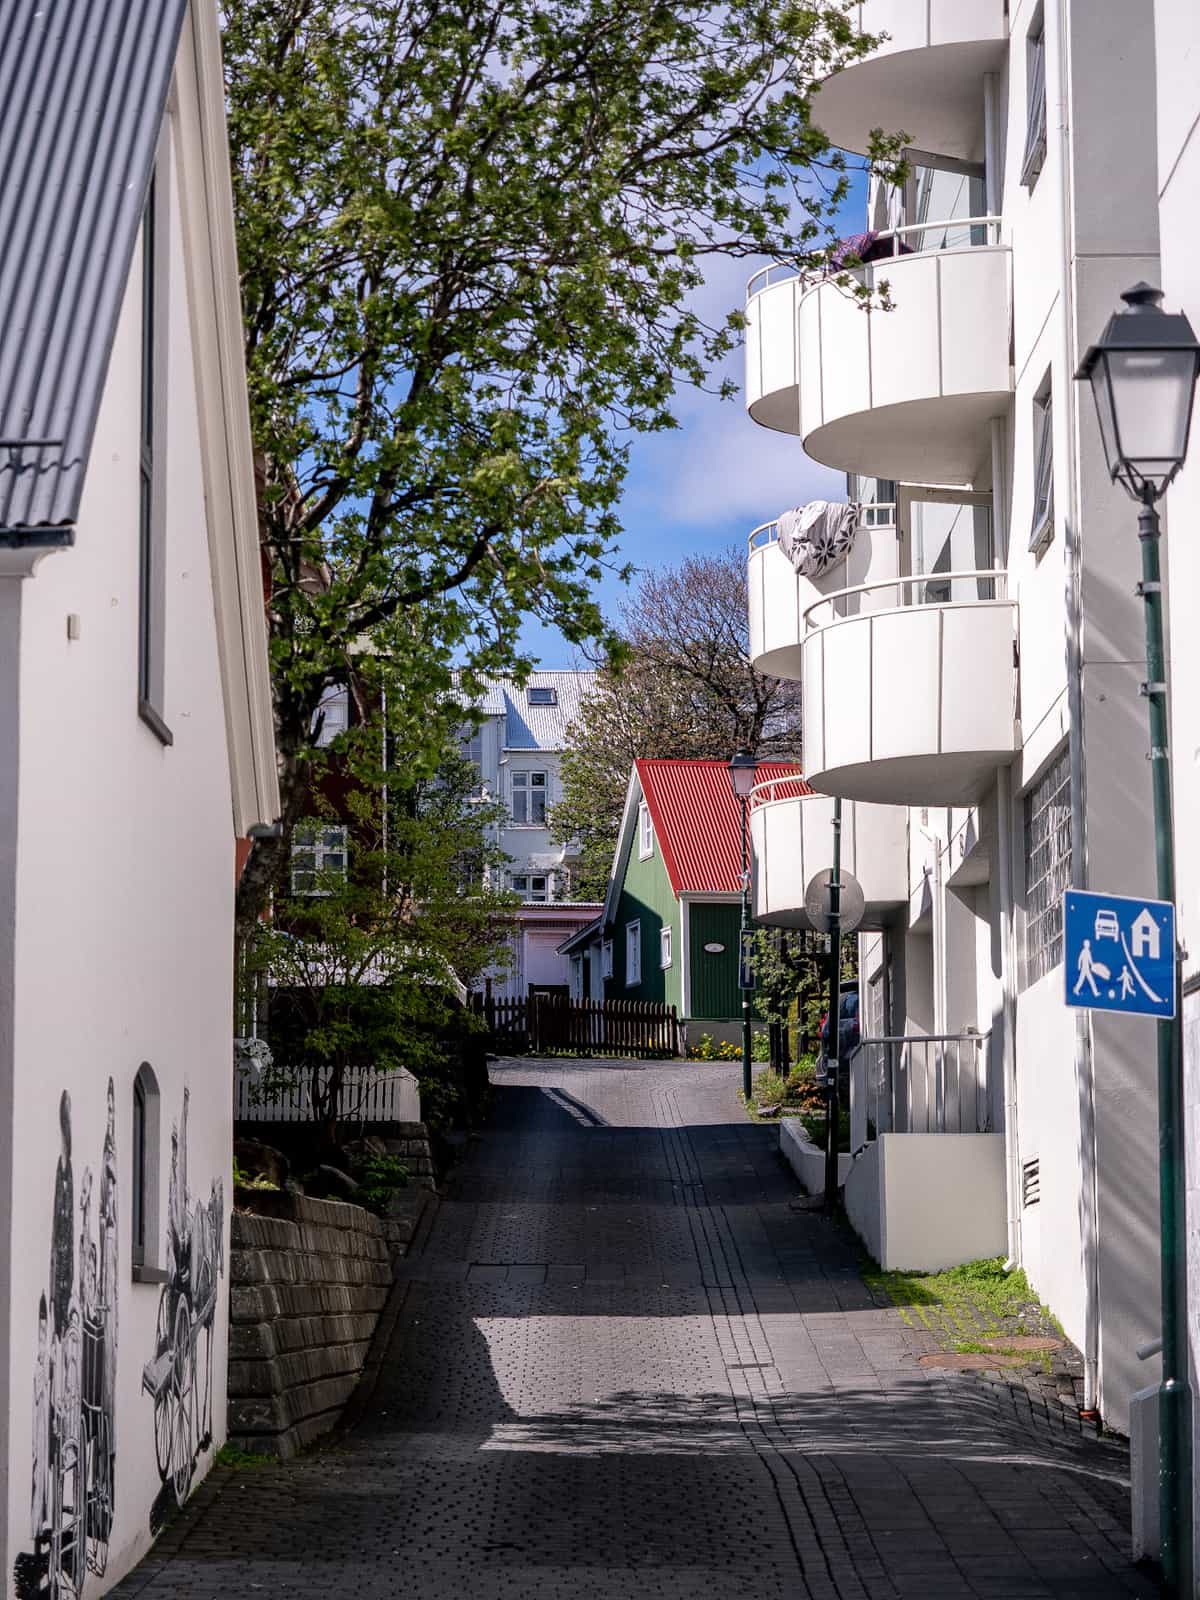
(1047, 867)
(633, 954)
(471, 745)
(645, 832)
(531, 887)
(606, 959)
(1035, 104)
(1042, 530)
(144, 1188)
(319, 855)
(542, 695)
(151, 462)
(664, 947)
(332, 715)
(529, 799)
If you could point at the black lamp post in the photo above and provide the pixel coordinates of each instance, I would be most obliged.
(1143, 375)
(742, 769)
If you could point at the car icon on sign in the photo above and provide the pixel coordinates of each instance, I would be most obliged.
(1107, 926)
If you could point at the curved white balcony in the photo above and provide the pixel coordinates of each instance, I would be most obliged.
(925, 79)
(906, 393)
(779, 595)
(913, 704)
(791, 836)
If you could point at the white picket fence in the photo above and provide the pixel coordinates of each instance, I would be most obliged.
(367, 1096)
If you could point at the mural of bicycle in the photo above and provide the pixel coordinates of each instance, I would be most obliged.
(179, 1378)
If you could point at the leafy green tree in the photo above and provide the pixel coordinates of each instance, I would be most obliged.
(469, 235)
(684, 688)
(364, 960)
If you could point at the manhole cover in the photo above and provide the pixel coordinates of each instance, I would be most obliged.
(1035, 1344)
(952, 1361)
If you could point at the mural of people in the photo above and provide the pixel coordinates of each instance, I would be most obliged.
(179, 1377)
(74, 1383)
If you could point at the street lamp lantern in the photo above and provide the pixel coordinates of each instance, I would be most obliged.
(1143, 375)
(742, 768)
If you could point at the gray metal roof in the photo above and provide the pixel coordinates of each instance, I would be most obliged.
(83, 90)
(536, 727)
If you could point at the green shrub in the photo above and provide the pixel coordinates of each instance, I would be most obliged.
(379, 1177)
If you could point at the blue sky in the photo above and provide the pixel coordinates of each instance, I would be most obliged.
(717, 476)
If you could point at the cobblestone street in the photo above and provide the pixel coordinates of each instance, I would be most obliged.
(622, 1365)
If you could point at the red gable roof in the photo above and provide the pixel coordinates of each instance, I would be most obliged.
(697, 819)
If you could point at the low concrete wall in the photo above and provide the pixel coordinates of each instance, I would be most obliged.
(805, 1160)
(308, 1279)
(924, 1201)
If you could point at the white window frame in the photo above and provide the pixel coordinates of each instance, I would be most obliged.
(523, 883)
(606, 958)
(665, 954)
(1035, 103)
(1042, 527)
(645, 832)
(525, 789)
(633, 954)
(547, 695)
(319, 843)
(332, 715)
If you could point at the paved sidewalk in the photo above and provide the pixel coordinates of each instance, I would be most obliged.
(623, 1367)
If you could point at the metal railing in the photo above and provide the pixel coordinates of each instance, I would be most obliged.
(875, 514)
(939, 587)
(947, 233)
(794, 788)
(921, 1083)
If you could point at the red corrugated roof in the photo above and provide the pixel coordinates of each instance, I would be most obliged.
(697, 820)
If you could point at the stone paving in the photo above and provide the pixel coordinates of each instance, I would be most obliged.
(622, 1366)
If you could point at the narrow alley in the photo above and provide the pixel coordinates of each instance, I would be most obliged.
(623, 1364)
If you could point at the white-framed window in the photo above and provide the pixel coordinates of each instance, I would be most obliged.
(645, 832)
(541, 694)
(152, 497)
(1035, 103)
(633, 954)
(1042, 528)
(531, 886)
(529, 799)
(318, 854)
(606, 959)
(332, 715)
(664, 947)
(1047, 867)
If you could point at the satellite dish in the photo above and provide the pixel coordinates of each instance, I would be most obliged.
(853, 902)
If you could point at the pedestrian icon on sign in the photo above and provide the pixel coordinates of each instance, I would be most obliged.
(1138, 977)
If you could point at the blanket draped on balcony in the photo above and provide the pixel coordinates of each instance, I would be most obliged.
(817, 536)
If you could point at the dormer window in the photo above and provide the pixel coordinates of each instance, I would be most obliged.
(542, 695)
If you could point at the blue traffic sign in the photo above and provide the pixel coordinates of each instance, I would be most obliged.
(1119, 953)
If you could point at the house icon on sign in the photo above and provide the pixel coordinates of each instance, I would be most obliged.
(1146, 936)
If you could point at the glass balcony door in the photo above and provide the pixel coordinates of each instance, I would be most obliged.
(945, 531)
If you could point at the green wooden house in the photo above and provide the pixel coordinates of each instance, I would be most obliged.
(669, 929)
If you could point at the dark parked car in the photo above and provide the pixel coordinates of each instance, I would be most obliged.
(849, 1033)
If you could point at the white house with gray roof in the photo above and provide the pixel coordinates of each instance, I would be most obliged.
(136, 750)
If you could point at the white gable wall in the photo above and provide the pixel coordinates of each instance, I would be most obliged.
(124, 907)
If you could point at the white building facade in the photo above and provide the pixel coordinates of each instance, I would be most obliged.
(517, 745)
(136, 747)
(971, 669)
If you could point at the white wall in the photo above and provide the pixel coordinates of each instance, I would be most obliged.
(124, 908)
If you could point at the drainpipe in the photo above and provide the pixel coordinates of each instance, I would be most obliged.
(1076, 746)
(1008, 975)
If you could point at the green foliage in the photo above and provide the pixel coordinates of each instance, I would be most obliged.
(242, 1460)
(792, 969)
(379, 1176)
(706, 1048)
(468, 239)
(250, 1180)
(967, 1304)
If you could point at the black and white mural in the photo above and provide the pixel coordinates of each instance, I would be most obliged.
(74, 1379)
(179, 1377)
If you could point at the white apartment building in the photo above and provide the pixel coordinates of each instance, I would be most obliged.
(971, 668)
(518, 746)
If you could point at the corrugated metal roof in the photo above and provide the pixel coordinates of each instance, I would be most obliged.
(83, 90)
(537, 727)
(698, 822)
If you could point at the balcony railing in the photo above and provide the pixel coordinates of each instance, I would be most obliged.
(940, 590)
(921, 1083)
(794, 788)
(875, 514)
(914, 238)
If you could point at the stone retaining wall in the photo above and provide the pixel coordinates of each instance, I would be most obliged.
(308, 1279)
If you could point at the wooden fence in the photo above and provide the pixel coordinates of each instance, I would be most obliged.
(367, 1096)
(547, 1023)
